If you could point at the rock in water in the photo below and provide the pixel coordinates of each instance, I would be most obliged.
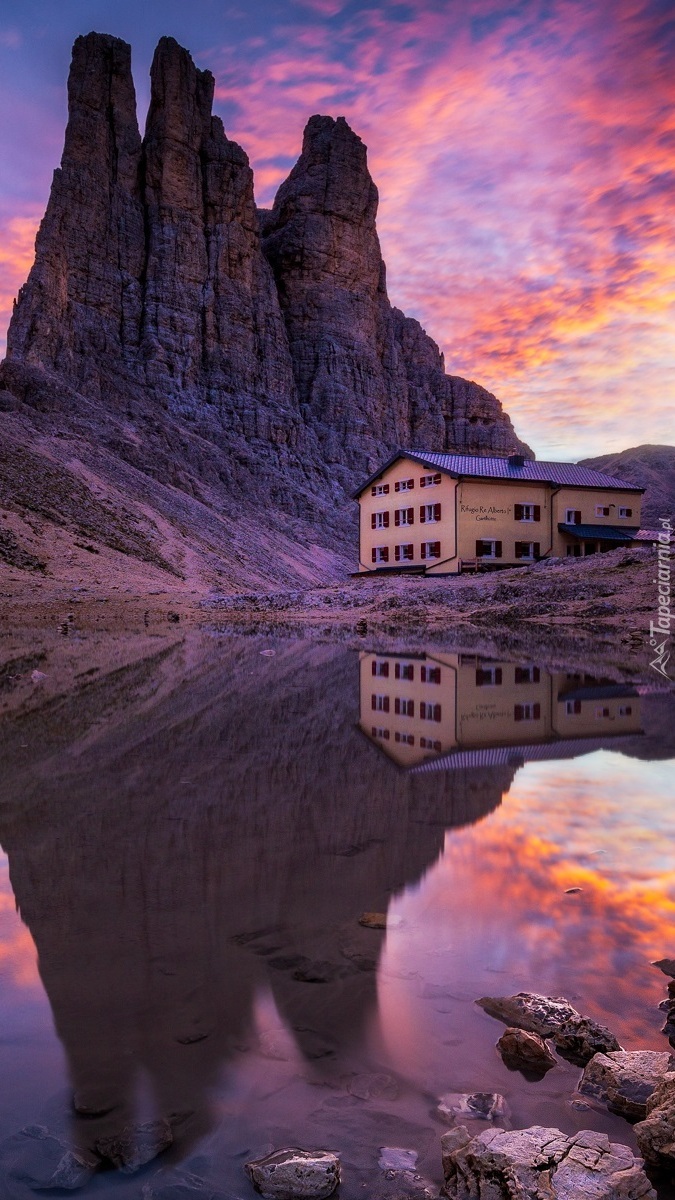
(476, 1106)
(291, 1174)
(135, 1145)
(540, 1164)
(624, 1080)
(522, 1050)
(577, 1038)
(656, 1134)
(34, 1156)
(667, 965)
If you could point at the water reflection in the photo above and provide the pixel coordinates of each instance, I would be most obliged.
(193, 839)
(459, 710)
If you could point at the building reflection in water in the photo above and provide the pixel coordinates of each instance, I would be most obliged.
(449, 711)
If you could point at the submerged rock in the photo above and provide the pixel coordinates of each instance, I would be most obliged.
(656, 1134)
(291, 1174)
(576, 1037)
(477, 1106)
(373, 920)
(540, 1164)
(38, 1158)
(522, 1050)
(402, 1181)
(624, 1080)
(135, 1145)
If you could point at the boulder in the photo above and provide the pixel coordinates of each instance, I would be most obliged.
(576, 1038)
(624, 1080)
(291, 1174)
(541, 1164)
(656, 1134)
(524, 1051)
(668, 1007)
(34, 1156)
(135, 1145)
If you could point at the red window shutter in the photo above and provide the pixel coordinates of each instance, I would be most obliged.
(518, 512)
(479, 548)
(537, 549)
(436, 549)
(498, 675)
(423, 481)
(423, 710)
(536, 674)
(411, 516)
(518, 712)
(397, 671)
(518, 549)
(373, 556)
(411, 483)
(385, 555)
(374, 668)
(629, 512)
(536, 711)
(373, 522)
(437, 512)
(537, 512)
(386, 520)
(498, 549)
(386, 704)
(437, 478)
(397, 707)
(373, 699)
(423, 513)
(577, 516)
(386, 489)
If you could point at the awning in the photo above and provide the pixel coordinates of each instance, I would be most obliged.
(599, 533)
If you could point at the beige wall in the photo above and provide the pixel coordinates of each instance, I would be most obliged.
(483, 704)
(485, 510)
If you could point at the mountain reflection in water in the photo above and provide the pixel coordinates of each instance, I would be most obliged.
(192, 841)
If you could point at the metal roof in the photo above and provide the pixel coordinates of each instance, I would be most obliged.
(516, 756)
(489, 467)
(607, 533)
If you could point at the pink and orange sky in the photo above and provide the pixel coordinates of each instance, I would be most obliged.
(524, 154)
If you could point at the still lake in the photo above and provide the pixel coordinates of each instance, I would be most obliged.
(191, 832)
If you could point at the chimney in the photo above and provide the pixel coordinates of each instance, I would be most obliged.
(516, 460)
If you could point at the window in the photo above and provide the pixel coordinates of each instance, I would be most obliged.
(574, 551)
(590, 547)
(625, 512)
(625, 710)
(404, 485)
(527, 675)
(573, 516)
(408, 739)
(430, 712)
(527, 512)
(382, 734)
(379, 703)
(527, 550)
(430, 480)
(431, 549)
(526, 712)
(404, 708)
(430, 513)
(403, 552)
(379, 520)
(602, 712)
(381, 669)
(572, 708)
(488, 676)
(429, 744)
(601, 510)
(380, 554)
(404, 516)
(488, 549)
(404, 671)
(380, 489)
(431, 674)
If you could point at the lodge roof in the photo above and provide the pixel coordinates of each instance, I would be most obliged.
(514, 468)
(515, 756)
(608, 533)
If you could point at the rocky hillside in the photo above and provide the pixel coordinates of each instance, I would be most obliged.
(653, 468)
(216, 378)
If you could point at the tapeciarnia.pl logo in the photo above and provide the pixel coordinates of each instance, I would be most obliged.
(659, 630)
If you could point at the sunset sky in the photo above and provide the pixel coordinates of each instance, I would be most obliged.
(524, 153)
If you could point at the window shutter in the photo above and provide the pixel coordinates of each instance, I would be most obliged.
(498, 675)
(518, 712)
(373, 523)
(411, 483)
(373, 699)
(397, 517)
(423, 481)
(536, 711)
(397, 707)
(536, 674)
(629, 512)
(411, 516)
(423, 514)
(374, 556)
(436, 549)
(498, 549)
(518, 512)
(397, 671)
(577, 516)
(537, 549)
(386, 520)
(386, 489)
(479, 548)
(386, 704)
(537, 512)
(437, 512)
(385, 555)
